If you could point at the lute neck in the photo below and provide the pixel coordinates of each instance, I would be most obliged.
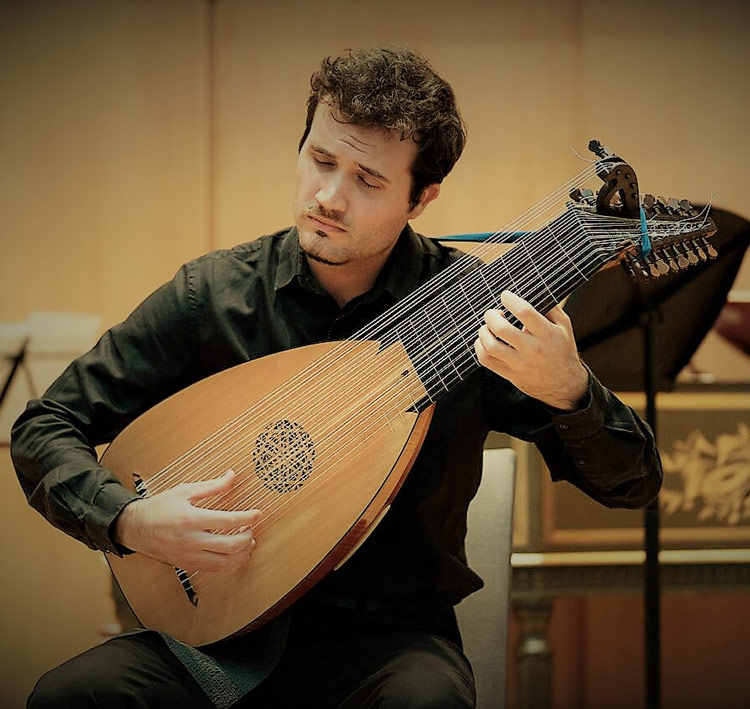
(438, 325)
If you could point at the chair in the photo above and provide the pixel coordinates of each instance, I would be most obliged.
(483, 616)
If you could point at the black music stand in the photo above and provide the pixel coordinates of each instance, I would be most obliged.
(17, 361)
(639, 336)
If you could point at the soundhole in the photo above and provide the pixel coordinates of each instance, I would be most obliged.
(284, 455)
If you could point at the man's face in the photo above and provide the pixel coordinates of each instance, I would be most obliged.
(352, 193)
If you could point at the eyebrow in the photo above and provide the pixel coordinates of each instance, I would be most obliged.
(369, 170)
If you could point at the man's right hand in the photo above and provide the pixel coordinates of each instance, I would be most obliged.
(168, 527)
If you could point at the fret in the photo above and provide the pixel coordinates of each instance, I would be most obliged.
(534, 266)
(426, 350)
(453, 320)
(565, 251)
(468, 300)
(442, 345)
(480, 271)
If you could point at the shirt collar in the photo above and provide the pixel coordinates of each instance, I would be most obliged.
(402, 271)
(292, 262)
(399, 276)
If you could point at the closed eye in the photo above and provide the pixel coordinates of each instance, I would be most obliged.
(367, 184)
(330, 164)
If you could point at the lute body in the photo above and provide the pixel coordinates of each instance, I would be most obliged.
(310, 520)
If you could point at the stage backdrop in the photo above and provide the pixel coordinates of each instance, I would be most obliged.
(137, 135)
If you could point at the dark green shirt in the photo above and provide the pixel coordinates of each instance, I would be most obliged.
(259, 298)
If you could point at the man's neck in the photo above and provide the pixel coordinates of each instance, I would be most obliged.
(346, 282)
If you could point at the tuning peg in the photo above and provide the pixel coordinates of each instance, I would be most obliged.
(582, 196)
(692, 259)
(628, 266)
(679, 255)
(687, 208)
(661, 266)
(601, 151)
(653, 269)
(696, 243)
(635, 267)
(656, 265)
(648, 202)
(710, 250)
(661, 207)
(597, 148)
(673, 205)
(670, 254)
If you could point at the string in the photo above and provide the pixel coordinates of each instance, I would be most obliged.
(583, 157)
(348, 452)
(418, 333)
(425, 350)
(340, 353)
(428, 351)
(432, 325)
(435, 284)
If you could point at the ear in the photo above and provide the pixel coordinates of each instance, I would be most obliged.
(428, 194)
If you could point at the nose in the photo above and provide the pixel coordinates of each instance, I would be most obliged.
(331, 195)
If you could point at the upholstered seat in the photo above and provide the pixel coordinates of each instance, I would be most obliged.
(483, 616)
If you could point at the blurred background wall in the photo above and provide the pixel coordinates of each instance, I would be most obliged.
(135, 135)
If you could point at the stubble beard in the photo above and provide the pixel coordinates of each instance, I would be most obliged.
(321, 259)
(314, 253)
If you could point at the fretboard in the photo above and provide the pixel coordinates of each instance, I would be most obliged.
(438, 324)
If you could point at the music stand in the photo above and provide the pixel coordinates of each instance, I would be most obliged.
(639, 336)
(40, 348)
(17, 360)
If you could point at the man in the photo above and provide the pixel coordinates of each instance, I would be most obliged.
(382, 132)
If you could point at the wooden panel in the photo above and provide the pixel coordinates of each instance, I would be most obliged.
(105, 151)
(513, 68)
(54, 593)
(597, 645)
(103, 193)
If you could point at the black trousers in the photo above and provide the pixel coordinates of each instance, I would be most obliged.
(335, 657)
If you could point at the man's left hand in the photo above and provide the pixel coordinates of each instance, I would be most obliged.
(541, 359)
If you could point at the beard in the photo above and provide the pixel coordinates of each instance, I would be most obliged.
(313, 255)
(315, 249)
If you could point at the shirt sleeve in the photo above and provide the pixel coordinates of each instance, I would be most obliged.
(132, 367)
(603, 448)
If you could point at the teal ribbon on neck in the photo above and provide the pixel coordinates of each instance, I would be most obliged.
(645, 239)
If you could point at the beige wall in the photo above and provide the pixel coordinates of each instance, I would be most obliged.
(136, 135)
(105, 151)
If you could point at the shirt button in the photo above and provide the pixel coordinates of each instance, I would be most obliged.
(563, 426)
(581, 462)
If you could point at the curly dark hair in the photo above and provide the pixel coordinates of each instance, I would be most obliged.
(393, 88)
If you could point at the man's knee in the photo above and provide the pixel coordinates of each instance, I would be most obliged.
(128, 671)
(437, 676)
(425, 688)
